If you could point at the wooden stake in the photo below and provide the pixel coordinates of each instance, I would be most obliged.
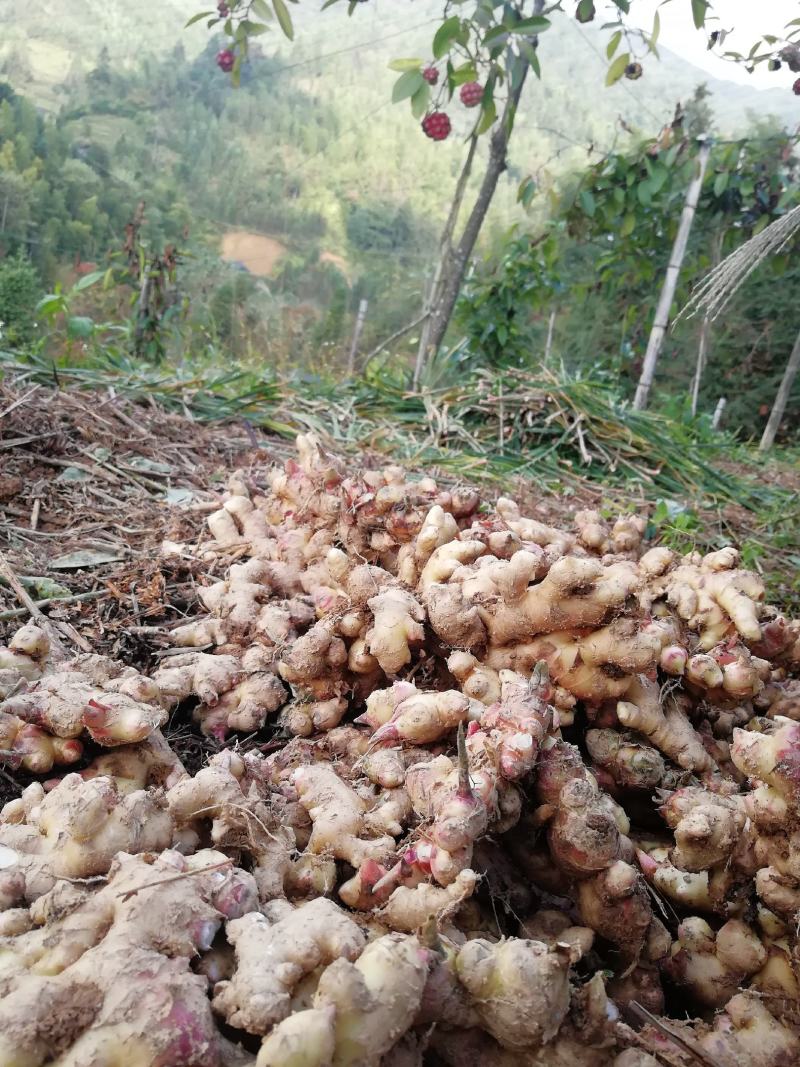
(778, 408)
(362, 314)
(661, 320)
(548, 346)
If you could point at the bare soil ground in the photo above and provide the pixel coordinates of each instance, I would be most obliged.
(258, 253)
(92, 484)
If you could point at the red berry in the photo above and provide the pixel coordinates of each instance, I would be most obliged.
(471, 94)
(226, 60)
(431, 75)
(796, 88)
(223, 9)
(437, 126)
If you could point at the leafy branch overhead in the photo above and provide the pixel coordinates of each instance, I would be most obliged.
(489, 43)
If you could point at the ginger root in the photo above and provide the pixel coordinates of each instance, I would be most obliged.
(272, 957)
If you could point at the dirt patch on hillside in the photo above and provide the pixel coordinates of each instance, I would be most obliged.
(258, 253)
(337, 261)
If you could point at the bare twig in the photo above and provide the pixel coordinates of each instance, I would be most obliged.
(7, 571)
(684, 1042)
(18, 403)
(15, 613)
(395, 337)
(128, 893)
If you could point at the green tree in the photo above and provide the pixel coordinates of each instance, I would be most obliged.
(20, 290)
(486, 51)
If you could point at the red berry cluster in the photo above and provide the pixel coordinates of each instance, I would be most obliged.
(796, 88)
(471, 94)
(226, 60)
(437, 126)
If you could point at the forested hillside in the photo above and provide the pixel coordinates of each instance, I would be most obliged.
(302, 192)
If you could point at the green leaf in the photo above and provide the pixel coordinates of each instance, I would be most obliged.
(80, 326)
(759, 226)
(623, 5)
(528, 49)
(628, 225)
(407, 85)
(284, 18)
(420, 100)
(197, 17)
(655, 31)
(585, 11)
(613, 44)
(588, 203)
(720, 183)
(89, 279)
(251, 29)
(516, 69)
(645, 193)
(617, 68)
(462, 75)
(445, 35)
(401, 65)
(535, 24)
(41, 587)
(658, 177)
(526, 192)
(497, 36)
(262, 9)
(52, 304)
(699, 8)
(488, 117)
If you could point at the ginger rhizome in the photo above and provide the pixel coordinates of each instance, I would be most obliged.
(473, 786)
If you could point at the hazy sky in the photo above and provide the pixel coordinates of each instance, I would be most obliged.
(748, 18)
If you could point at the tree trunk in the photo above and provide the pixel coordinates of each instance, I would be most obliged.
(453, 273)
(661, 320)
(445, 253)
(781, 400)
(453, 261)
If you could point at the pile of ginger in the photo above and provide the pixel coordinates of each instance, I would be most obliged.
(483, 792)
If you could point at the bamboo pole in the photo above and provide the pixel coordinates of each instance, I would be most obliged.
(782, 398)
(661, 320)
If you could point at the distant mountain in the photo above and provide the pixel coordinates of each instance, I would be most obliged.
(46, 43)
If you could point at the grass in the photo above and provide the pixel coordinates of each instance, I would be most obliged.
(556, 434)
(487, 425)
